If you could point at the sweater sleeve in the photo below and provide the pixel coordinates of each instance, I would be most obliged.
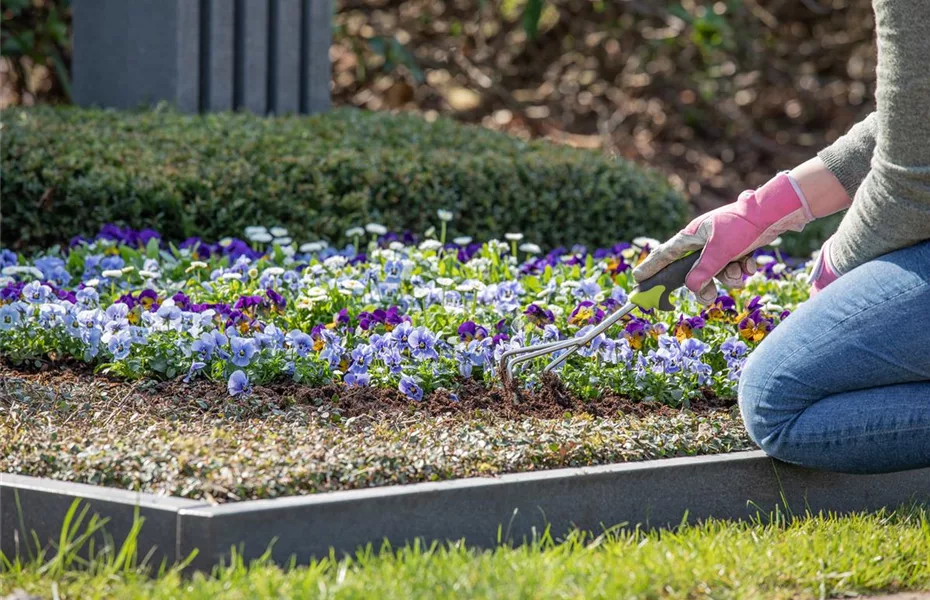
(891, 209)
(849, 157)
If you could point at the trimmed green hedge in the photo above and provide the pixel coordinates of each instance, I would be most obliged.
(67, 171)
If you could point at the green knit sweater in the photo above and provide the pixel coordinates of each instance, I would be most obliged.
(884, 161)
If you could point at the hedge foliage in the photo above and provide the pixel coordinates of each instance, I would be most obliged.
(67, 171)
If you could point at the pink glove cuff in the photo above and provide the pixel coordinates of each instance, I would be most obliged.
(805, 206)
(778, 200)
(754, 220)
(825, 272)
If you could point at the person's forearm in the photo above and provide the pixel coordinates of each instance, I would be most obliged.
(824, 192)
(849, 158)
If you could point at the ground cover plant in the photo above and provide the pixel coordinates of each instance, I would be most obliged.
(777, 557)
(188, 440)
(421, 316)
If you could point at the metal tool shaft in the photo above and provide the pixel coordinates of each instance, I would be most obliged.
(510, 358)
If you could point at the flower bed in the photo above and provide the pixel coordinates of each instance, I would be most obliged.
(157, 437)
(423, 316)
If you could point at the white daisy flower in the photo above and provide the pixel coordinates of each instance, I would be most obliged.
(261, 238)
(643, 241)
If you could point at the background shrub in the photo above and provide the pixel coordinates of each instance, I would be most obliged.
(67, 171)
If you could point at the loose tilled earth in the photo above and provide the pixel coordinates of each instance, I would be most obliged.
(193, 440)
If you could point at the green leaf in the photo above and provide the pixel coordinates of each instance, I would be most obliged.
(152, 248)
(531, 15)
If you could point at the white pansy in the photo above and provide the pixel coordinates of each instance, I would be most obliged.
(317, 293)
(355, 232)
(444, 215)
(513, 237)
(112, 273)
(353, 285)
(462, 241)
(335, 262)
(479, 263)
(430, 245)
(376, 229)
(642, 241)
(530, 248)
(278, 231)
(385, 253)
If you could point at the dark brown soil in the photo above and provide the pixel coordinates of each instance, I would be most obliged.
(552, 400)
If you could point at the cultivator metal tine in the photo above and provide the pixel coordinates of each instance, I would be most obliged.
(513, 357)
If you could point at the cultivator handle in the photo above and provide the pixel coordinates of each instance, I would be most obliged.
(654, 292)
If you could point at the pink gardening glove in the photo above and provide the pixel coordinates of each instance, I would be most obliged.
(727, 235)
(824, 272)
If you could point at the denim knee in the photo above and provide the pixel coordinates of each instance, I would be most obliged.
(755, 395)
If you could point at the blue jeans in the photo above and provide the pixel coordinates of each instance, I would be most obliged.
(843, 384)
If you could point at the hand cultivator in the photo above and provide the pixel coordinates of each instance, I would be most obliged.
(652, 293)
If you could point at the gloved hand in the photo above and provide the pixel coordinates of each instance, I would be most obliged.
(824, 272)
(727, 235)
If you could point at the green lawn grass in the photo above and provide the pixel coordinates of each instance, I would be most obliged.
(783, 557)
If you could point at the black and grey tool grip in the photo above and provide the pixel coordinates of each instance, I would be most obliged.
(654, 292)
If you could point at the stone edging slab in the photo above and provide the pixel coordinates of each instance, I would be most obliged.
(482, 511)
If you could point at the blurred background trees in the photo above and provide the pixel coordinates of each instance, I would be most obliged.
(718, 95)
